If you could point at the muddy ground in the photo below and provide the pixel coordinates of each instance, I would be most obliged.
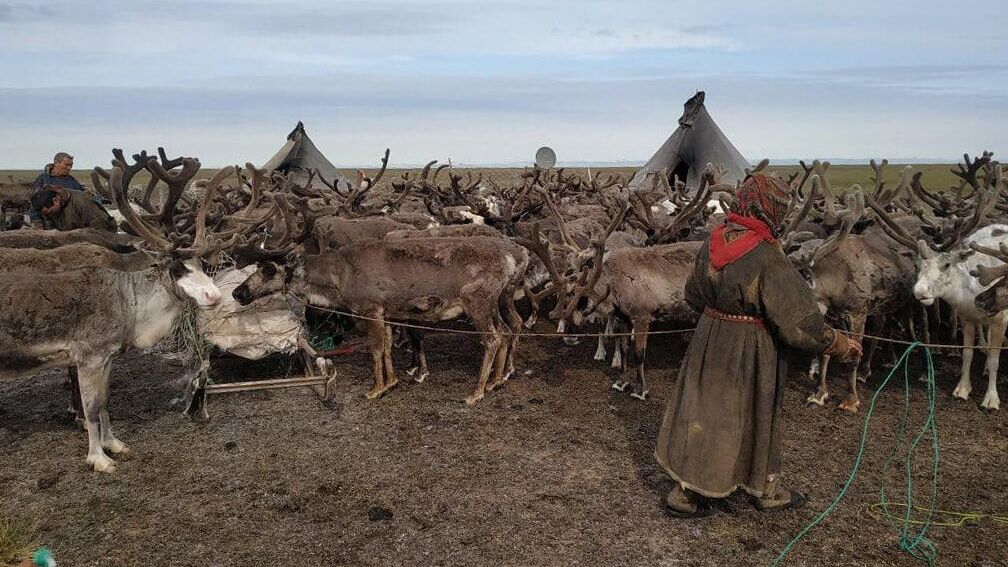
(555, 469)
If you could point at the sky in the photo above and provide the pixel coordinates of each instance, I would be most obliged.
(489, 82)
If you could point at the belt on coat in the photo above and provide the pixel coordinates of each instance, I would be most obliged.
(733, 317)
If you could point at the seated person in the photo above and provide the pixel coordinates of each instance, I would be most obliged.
(70, 210)
(57, 173)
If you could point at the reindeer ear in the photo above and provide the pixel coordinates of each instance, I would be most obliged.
(925, 250)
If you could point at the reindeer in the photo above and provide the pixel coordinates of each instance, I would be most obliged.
(636, 286)
(86, 317)
(855, 277)
(411, 279)
(951, 268)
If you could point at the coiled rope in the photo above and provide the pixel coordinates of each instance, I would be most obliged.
(914, 543)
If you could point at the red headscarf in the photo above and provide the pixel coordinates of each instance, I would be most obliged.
(762, 204)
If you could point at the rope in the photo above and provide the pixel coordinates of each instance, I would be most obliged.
(917, 545)
(957, 520)
(630, 334)
(487, 333)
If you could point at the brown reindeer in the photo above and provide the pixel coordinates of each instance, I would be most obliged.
(423, 280)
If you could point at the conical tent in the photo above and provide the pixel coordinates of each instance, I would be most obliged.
(696, 141)
(299, 157)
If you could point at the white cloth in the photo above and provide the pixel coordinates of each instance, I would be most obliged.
(265, 326)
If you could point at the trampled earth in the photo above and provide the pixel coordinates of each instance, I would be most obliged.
(554, 469)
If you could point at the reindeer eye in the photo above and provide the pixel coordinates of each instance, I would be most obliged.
(268, 270)
(177, 269)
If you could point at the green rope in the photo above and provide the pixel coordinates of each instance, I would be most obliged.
(916, 545)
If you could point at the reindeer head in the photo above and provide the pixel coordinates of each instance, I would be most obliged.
(189, 278)
(269, 278)
(936, 271)
(177, 259)
(276, 265)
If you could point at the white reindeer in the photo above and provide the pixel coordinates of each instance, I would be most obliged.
(947, 275)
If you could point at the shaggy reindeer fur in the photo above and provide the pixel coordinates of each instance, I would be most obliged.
(84, 318)
(71, 257)
(333, 232)
(867, 275)
(645, 285)
(47, 239)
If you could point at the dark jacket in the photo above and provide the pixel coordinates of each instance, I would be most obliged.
(82, 212)
(46, 178)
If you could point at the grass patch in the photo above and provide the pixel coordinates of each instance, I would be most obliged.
(17, 540)
(936, 176)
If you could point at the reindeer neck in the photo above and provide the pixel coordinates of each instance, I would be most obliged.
(151, 304)
(319, 283)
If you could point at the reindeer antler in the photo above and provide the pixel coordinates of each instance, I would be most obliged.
(989, 274)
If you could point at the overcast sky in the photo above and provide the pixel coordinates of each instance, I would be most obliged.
(490, 82)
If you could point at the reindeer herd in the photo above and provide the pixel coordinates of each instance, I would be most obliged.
(597, 256)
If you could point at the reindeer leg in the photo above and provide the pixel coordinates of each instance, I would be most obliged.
(418, 369)
(108, 439)
(963, 389)
(94, 377)
(376, 340)
(390, 377)
(491, 343)
(865, 368)
(514, 321)
(500, 360)
(851, 403)
(995, 339)
(818, 398)
(619, 346)
(600, 352)
(640, 338)
(76, 409)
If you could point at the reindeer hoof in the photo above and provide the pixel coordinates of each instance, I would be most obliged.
(850, 406)
(101, 463)
(620, 386)
(991, 402)
(116, 447)
(375, 393)
(600, 356)
(494, 385)
(642, 396)
(412, 371)
(423, 376)
(571, 341)
(816, 400)
(962, 392)
(473, 399)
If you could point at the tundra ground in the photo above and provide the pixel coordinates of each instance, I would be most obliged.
(554, 469)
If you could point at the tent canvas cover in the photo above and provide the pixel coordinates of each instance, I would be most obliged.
(696, 141)
(299, 157)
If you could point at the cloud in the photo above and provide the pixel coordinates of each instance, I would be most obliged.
(494, 119)
(484, 81)
(20, 12)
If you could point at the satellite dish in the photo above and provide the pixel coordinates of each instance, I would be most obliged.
(545, 157)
